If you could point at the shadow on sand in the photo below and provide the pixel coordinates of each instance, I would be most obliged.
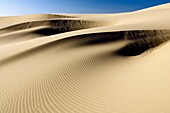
(137, 46)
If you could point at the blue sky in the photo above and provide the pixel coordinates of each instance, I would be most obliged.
(22, 7)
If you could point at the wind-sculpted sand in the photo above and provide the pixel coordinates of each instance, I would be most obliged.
(101, 63)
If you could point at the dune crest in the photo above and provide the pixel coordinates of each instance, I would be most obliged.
(101, 63)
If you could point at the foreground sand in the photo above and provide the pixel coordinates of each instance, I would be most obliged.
(112, 63)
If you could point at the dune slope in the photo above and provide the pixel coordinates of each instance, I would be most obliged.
(102, 63)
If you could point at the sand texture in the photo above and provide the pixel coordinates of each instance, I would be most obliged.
(89, 63)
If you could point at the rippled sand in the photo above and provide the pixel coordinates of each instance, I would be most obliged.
(100, 63)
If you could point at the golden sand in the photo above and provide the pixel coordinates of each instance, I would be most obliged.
(101, 63)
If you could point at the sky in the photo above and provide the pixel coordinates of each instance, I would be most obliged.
(23, 7)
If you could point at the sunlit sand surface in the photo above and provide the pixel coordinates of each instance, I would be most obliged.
(101, 63)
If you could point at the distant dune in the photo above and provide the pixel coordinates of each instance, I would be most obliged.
(86, 63)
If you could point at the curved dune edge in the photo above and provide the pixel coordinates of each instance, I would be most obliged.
(86, 63)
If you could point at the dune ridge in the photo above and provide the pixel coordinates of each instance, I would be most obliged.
(73, 63)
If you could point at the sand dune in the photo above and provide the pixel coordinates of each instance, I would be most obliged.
(101, 63)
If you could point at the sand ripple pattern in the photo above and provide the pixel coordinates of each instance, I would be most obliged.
(65, 64)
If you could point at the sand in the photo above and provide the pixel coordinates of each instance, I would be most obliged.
(91, 63)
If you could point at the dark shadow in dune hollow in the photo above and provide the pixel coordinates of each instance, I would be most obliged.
(143, 41)
(140, 40)
(59, 25)
(132, 50)
(139, 44)
(102, 38)
(50, 31)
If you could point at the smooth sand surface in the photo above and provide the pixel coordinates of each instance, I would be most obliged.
(101, 63)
